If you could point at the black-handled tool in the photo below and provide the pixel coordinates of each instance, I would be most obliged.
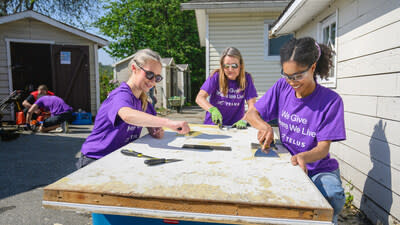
(136, 154)
(155, 161)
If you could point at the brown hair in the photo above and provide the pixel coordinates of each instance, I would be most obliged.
(43, 86)
(140, 58)
(223, 80)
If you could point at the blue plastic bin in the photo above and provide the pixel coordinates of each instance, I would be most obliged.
(82, 118)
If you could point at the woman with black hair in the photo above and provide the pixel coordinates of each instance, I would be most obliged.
(310, 116)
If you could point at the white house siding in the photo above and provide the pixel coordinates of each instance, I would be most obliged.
(31, 29)
(368, 79)
(244, 31)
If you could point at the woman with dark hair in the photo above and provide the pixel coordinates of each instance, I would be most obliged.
(310, 116)
(228, 87)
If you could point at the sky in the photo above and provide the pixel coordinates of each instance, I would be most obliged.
(104, 58)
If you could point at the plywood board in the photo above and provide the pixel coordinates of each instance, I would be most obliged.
(231, 183)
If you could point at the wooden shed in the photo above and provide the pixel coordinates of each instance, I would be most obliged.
(36, 49)
(366, 38)
(244, 25)
(184, 82)
(168, 87)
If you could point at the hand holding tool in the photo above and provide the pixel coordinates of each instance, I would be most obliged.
(216, 116)
(241, 124)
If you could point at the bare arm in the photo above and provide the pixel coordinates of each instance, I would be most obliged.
(318, 152)
(138, 118)
(26, 104)
(265, 132)
(250, 104)
(201, 100)
(31, 110)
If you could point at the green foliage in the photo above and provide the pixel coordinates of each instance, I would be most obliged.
(156, 24)
(74, 12)
(107, 84)
(349, 197)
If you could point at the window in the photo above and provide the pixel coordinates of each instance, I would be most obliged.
(328, 34)
(272, 46)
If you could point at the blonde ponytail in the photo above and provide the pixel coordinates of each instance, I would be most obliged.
(143, 98)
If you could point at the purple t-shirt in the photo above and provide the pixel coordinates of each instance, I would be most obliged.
(110, 132)
(303, 122)
(231, 106)
(54, 104)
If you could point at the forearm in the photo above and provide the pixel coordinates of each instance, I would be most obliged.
(26, 104)
(201, 100)
(253, 117)
(250, 104)
(142, 119)
(317, 153)
(31, 110)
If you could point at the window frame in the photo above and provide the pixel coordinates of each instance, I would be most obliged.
(267, 57)
(328, 21)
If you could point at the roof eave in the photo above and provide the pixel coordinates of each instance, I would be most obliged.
(45, 19)
(232, 5)
(298, 13)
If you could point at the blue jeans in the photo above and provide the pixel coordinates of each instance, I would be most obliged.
(330, 185)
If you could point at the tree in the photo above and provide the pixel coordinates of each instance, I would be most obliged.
(80, 13)
(107, 84)
(156, 24)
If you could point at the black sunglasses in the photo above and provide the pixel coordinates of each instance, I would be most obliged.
(150, 75)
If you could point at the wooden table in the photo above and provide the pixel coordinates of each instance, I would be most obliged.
(208, 185)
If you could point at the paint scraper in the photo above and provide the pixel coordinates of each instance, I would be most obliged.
(260, 153)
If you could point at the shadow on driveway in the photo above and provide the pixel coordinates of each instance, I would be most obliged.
(35, 160)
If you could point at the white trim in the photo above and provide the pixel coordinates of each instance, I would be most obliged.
(31, 14)
(154, 213)
(267, 57)
(331, 82)
(10, 84)
(286, 17)
(207, 48)
(97, 76)
(30, 41)
(267, 23)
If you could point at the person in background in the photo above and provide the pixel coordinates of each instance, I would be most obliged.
(310, 116)
(152, 94)
(33, 96)
(61, 113)
(126, 110)
(228, 88)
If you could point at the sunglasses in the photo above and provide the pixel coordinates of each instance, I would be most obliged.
(297, 76)
(150, 75)
(234, 66)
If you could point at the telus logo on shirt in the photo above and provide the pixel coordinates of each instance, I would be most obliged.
(131, 138)
(131, 127)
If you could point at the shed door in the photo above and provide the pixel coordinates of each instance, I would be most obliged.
(71, 75)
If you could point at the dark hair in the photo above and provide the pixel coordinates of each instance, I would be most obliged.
(306, 51)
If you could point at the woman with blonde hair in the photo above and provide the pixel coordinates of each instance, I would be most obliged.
(126, 110)
(228, 87)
